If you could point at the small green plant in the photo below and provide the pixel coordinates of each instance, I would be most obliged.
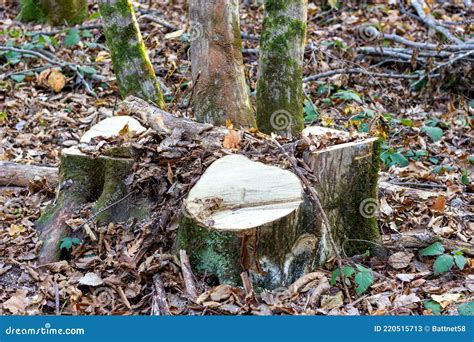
(363, 277)
(390, 157)
(444, 261)
(69, 242)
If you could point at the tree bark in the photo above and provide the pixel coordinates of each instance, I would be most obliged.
(14, 174)
(133, 69)
(280, 79)
(220, 91)
(346, 181)
(55, 12)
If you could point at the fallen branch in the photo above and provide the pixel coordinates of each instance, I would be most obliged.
(159, 306)
(354, 71)
(421, 239)
(187, 275)
(14, 174)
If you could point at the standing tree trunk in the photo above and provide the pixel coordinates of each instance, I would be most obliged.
(220, 92)
(55, 12)
(280, 81)
(133, 69)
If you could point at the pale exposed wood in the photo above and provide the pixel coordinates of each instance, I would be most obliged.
(159, 305)
(111, 127)
(15, 174)
(188, 275)
(236, 193)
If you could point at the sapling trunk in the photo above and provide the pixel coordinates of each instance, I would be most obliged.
(55, 12)
(280, 86)
(133, 69)
(220, 91)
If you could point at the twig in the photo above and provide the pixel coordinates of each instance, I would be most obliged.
(56, 299)
(187, 275)
(428, 20)
(159, 21)
(428, 46)
(159, 305)
(359, 71)
(56, 31)
(316, 201)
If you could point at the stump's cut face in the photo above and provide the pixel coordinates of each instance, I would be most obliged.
(236, 193)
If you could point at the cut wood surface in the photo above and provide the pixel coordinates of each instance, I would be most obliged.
(247, 216)
(112, 127)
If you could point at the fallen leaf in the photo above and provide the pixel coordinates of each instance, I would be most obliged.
(221, 293)
(232, 140)
(439, 204)
(406, 300)
(400, 260)
(16, 230)
(17, 303)
(56, 80)
(332, 302)
(446, 299)
(91, 279)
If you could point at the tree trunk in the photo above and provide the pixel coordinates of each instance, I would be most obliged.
(133, 69)
(280, 80)
(246, 216)
(55, 12)
(220, 92)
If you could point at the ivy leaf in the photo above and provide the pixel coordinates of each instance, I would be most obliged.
(363, 280)
(87, 70)
(347, 270)
(460, 261)
(18, 78)
(348, 95)
(310, 113)
(443, 263)
(435, 133)
(398, 158)
(432, 250)
(72, 38)
(466, 309)
(434, 306)
(68, 243)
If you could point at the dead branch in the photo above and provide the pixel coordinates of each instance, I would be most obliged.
(159, 306)
(14, 174)
(187, 275)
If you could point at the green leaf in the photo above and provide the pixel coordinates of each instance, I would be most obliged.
(460, 261)
(398, 158)
(87, 70)
(310, 113)
(466, 309)
(363, 280)
(68, 243)
(72, 38)
(443, 263)
(434, 249)
(18, 78)
(348, 95)
(347, 270)
(465, 178)
(406, 122)
(3, 116)
(435, 133)
(435, 307)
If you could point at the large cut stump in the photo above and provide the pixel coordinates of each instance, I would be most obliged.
(86, 179)
(244, 215)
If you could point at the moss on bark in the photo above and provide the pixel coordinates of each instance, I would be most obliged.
(134, 71)
(55, 12)
(280, 83)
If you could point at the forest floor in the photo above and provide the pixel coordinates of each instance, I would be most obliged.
(427, 154)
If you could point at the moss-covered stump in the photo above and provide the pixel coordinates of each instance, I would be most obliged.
(347, 176)
(133, 69)
(244, 215)
(280, 79)
(99, 180)
(220, 91)
(55, 12)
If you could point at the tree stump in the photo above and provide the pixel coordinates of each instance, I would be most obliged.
(86, 179)
(246, 216)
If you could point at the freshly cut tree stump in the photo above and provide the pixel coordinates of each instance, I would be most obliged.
(86, 179)
(347, 176)
(244, 215)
